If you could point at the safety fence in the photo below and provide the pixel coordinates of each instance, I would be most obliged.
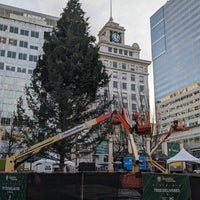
(98, 186)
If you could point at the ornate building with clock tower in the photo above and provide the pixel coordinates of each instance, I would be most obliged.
(129, 73)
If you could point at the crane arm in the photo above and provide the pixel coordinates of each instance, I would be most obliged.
(11, 161)
(177, 125)
(125, 121)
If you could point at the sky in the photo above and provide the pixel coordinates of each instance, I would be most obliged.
(133, 15)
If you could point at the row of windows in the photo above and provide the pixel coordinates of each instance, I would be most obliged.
(14, 42)
(13, 29)
(122, 52)
(21, 56)
(194, 95)
(182, 112)
(183, 105)
(124, 66)
(124, 86)
(191, 120)
(15, 69)
(124, 97)
(115, 75)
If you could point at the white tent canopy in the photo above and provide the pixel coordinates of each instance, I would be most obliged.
(44, 160)
(183, 156)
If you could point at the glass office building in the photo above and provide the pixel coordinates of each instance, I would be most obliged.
(175, 37)
(175, 40)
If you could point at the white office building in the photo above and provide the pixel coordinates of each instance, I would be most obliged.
(129, 73)
(21, 41)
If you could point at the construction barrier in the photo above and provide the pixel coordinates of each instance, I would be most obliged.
(98, 186)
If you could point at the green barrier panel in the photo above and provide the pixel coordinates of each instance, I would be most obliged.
(166, 187)
(13, 186)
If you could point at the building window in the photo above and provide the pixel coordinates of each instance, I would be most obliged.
(141, 79)
(124, 97)
(142, 99)
(133, 97)
(115, 50)
(132, 68)
(115, 84)
(10, 68)
(35, 34)
(120, 51)
(5, 121)
(124, 76)
(11, 54)
(115, 75)
(23, 44)
(133, 87)
(124, 86)
(30, 71)
(24, 32)
(2, 40)
(1, 66)
(132, 77)
(109, 49)
(3, 27)
(115, 95)
(123, 65)
(115, 64)
(141, 69)
(21, 70)
(125, 52)
(141, 88)
(33, 47)
(12, 42)
(134, 107)
(130, 53)
(22, 56)
(125, 105)
(32, 58)
(13, 29)
(2, 53)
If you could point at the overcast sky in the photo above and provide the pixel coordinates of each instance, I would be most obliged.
(133, 15)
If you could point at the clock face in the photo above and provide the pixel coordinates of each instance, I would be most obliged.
(116, 37)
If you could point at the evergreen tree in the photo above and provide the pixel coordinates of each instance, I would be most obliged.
(66, 82)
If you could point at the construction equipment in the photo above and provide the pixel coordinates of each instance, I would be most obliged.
(142, 126)
(177, 125)
(12, 162)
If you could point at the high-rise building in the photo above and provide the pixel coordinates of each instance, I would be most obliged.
(129, 74)
(21, 40)
(175, 39)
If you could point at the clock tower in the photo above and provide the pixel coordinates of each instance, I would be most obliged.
(112, 32)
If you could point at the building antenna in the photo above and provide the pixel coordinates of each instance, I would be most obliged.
(111, 19)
